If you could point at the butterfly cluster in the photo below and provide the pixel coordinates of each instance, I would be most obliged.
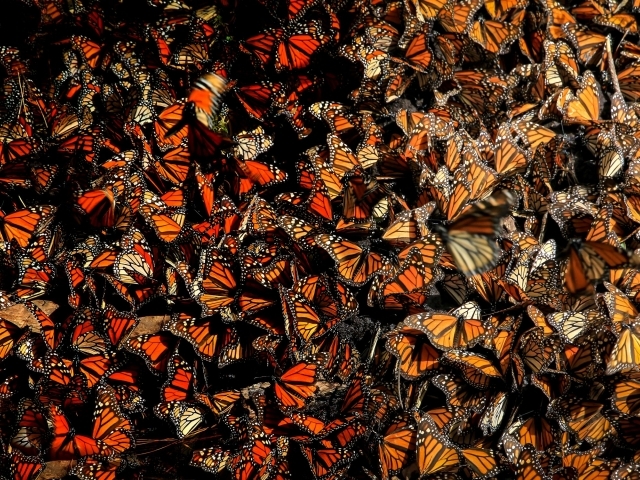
(364, 239)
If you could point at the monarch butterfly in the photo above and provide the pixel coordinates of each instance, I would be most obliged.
(481, 462)
(65, 445)
(345, 433)
(293, 47)
(316, 291)
(628, 470)
(580, 462)
(325, 462)
(22, 225)
(605, 228)
(396, 447)
(25, 467)
(201, 115)
(154, 349)
(254, 298)
(296, 46)
(434, 453)
(111, 428)
(278, 272)
(428, 9)
(257, 99)
(355, 265)
(628, 428)
(355, 399)
(193, 53)
(494, 413)
(219, 403)
(92, 468)
(409, 226)
(461, 328)
(473, 86)
(343, 357)
(88, 50)
(342, 160)
(305, 319)
(417, 54)
(170, 131)
(262, 45)
(118, 325)
(165, 214)
(338, 116)
(629, 79)
(524, 459)
(571, 325)
(458, 394)
(212, 459)
(210, 338)
(92, 368)
(363, 199)
(621, 310)
(533, 134)
(584, 108)
(588, 262)
(135, 264)
(508, 156)
(126, 389)
(84, 337)
(98, 206)
(186, 417)
(205, 97)
(46, 324)
(590, 44)
(429, 127)
(470, 238)
(583, 418)
(296, 385)
(178, 388)
(250, 144)
(620, 21)
(625, 356)
(9, 334)
(535, 430)
(494, 36)
(498, 9)
(415, 354)
(31, 428)
(215, 285)
(456, 17)
(476, 370)
(414, 275)
(625, 398)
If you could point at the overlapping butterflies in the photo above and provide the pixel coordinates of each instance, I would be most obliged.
(272, 239)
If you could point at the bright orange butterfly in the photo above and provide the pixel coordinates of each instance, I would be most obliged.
(355, 265)
(166, 214)
(461, 328)
(296, 385)
(22, 225)
(433, 451)
(396, 447)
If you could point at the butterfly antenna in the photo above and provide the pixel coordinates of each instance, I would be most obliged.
(508, 309)
(630, 235)
(623, 36)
